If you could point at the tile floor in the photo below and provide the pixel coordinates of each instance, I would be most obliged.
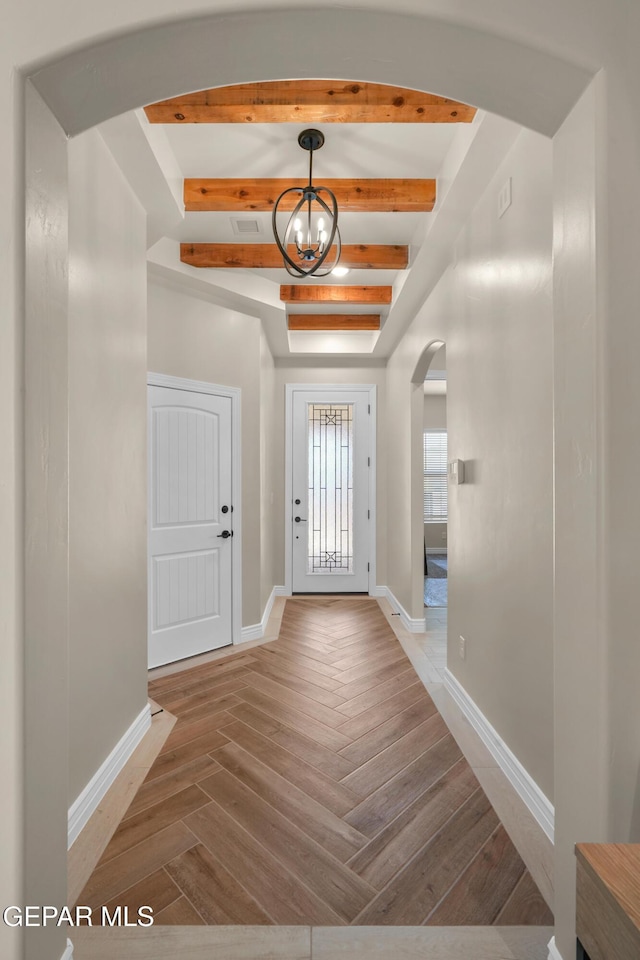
(433, 643)
(428, 654)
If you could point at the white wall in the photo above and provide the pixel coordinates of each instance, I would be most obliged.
(434, 415)
(198, 340)
(36, 871)
(588, 774)
(107, 458)
(500, 423)
(269, 490)
(302, 374)
(494, 312)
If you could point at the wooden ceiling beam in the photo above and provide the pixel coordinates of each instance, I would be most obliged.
(334, 321)
(309, 101)
(353, 195)
(258, 256)
(321, 293)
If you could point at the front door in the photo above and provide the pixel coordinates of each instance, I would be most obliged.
(190, 524)
(330, 515)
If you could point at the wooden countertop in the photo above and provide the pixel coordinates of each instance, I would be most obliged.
(609, 899)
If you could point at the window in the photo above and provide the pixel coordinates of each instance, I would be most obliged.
(435, 476)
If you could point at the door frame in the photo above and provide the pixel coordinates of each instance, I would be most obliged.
(370, 391)
(235, 395)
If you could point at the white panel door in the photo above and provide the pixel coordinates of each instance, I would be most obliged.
(190, 524)
(330, 492)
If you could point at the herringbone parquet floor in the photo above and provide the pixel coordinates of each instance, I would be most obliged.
(311, 780)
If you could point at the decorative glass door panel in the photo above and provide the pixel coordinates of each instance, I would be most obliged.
(330, 487)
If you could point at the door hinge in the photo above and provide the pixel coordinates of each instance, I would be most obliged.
(368, 461)
(368, 568)
(369, 408)
(368, 514)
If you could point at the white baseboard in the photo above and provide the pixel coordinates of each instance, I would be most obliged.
(87, 803)
(554, 953)
(413, 626)
(256, 631)
(253, 632)
(429, 550)
(524, 785)
(68, 953)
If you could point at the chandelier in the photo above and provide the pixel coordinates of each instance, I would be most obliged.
(307, 243)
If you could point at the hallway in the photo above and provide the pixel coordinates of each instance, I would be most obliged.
(311, 780)
(537, 302)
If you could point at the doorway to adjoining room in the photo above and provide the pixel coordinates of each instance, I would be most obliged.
(435, 481)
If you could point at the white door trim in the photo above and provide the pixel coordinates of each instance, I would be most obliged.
(370, 390)
(235, 394)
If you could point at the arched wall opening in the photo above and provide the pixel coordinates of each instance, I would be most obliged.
(424, 361)
(417, 469)
(87, 87)
(433, 530)
(528, 86)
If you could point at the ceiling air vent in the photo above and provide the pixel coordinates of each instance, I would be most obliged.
(245, 227)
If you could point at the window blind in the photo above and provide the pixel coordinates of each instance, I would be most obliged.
(435, 476)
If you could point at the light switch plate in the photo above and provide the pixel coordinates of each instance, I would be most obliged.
(456, 471)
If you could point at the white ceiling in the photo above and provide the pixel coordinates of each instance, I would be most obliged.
(206, 150)
(271, 149)
(207, 227)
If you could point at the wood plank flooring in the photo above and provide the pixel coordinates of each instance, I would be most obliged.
(312, 781)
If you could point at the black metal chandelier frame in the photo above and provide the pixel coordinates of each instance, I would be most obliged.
(312, 254)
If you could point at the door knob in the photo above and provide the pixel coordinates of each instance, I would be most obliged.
(225, 534)
(300, 519)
